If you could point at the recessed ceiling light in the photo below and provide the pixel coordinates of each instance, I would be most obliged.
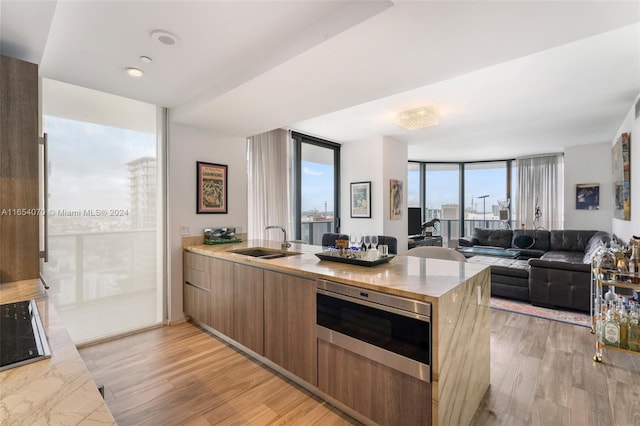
(146, 59)
(165, 37)
(135, 72)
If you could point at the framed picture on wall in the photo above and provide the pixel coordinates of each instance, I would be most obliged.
(396, 199)
(621, 156)
(587, 196)
(361, 199)
(212, 188)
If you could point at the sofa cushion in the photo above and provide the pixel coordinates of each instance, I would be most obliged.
(468, 241)
(569, 240)
(563, 256)
(554, 260)
(502, 266)
(493, 237)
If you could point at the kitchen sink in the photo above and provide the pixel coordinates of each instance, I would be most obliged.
(264, 253)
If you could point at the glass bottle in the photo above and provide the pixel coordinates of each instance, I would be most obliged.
(634, 263)
(610, 296)
(610, 328)
(607, 264)
(621, 317)
(634, 327)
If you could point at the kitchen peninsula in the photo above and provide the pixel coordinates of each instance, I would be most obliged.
(267, 308)
(54, 391)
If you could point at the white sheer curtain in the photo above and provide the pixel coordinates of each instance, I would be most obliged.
(268, 184)
(541, 189)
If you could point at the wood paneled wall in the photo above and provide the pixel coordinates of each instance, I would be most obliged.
(19, 243)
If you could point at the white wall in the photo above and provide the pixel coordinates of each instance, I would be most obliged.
(361, 161)
(624, 229)
(377, 160)
(395, 166)
(186, 146)
(588, 164)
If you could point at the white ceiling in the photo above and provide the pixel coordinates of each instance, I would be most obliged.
(509, 78)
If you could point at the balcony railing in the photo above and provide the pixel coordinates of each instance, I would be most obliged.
(312, 231)
(448, 229)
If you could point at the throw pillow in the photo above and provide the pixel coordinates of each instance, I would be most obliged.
(523, 241)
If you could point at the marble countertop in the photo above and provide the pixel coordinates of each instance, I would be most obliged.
(413, 277)
(54, 391)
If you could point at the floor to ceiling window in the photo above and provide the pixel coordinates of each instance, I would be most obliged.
(442, 199)
(104, 211)
(317, 179)
(485, 195)
(463, 196)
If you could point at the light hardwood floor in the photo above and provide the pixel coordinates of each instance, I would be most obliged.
(542, 373)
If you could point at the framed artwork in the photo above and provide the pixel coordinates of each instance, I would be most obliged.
(212, 188)
(587, 196)
(396, 199)
(621, 157)
(361, 199)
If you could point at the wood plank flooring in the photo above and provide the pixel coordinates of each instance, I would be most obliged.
(542, 373)
(180, 375)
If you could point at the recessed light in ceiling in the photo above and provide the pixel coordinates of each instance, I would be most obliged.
(165, 37)
(135, 72)
(146, 59)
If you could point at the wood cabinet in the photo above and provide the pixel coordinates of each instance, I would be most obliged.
(197, 287)
(290, 324)
(248, 307)
(221, 299)
(19, 232)
(380, 393)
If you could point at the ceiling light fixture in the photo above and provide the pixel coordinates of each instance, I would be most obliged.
(135, 72)
(165, 37)
(418, 118)
(146, 59)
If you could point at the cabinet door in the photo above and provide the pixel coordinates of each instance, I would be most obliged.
(290, 324)
(19, 250)
(384, 395)
(197, 287)
(196, 303)
(197, 270)
(248, 312)
(222, 296)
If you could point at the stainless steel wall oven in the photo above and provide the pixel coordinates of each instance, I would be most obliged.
(391, 330)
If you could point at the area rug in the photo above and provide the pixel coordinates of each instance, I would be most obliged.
(525, 308)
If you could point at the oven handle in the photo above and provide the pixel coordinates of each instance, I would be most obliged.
(375, 305)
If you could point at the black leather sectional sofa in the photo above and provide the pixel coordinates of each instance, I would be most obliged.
(553, 269)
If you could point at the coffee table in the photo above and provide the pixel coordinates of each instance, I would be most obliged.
(489, 251)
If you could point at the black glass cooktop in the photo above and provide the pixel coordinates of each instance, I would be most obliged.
(22, 337)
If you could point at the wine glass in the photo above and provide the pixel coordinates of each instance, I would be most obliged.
(367, 241)
(374, 242)
(353, 239)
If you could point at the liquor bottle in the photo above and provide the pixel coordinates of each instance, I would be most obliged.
(634, 327)
(634, 263)
(621, 317)
(610, 328)
(610, 295)
(607, 263)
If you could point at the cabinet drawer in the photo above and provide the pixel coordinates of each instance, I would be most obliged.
(196, 261)
(197, 278)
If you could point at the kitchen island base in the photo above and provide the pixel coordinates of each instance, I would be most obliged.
(373, 393)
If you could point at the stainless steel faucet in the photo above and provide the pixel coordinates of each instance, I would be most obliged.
(285, 244)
